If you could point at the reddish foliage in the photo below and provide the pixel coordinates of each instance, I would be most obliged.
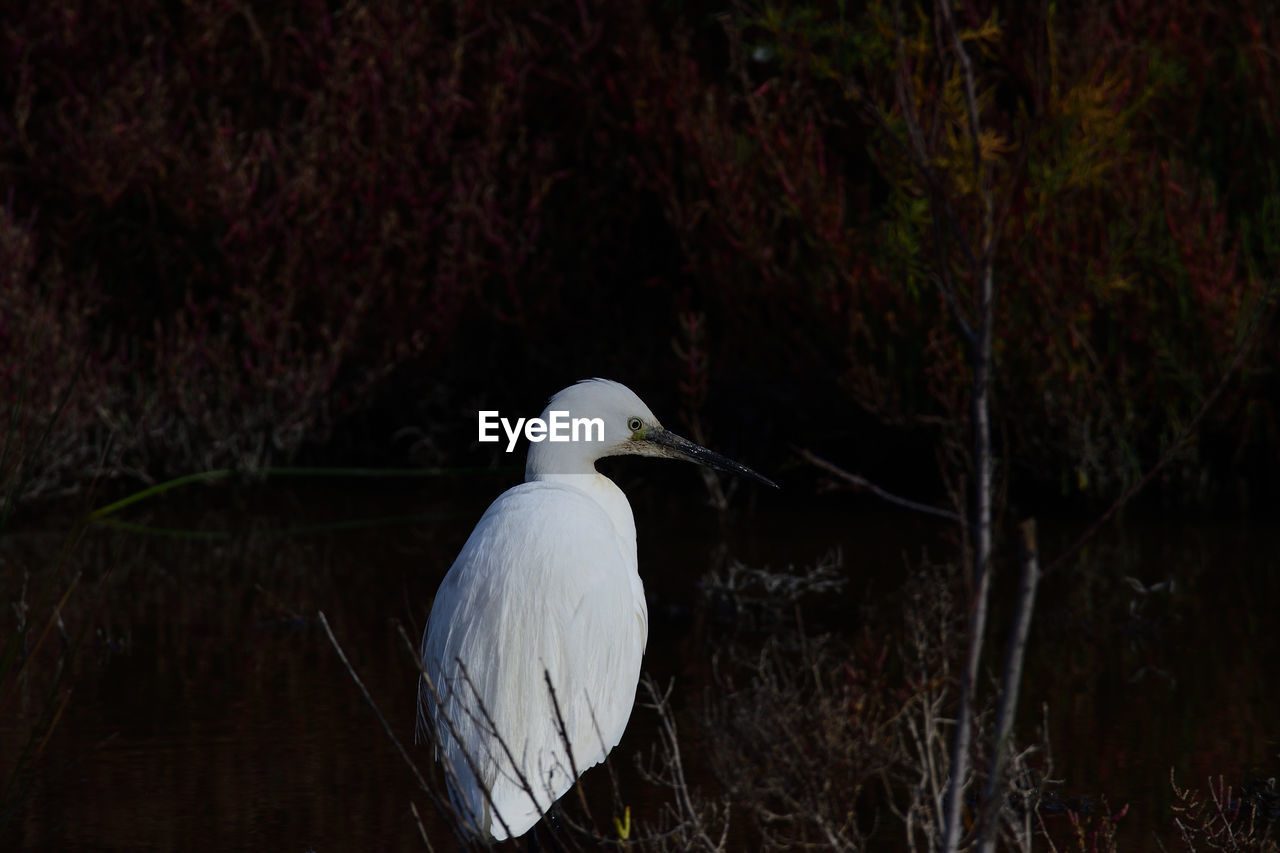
(245, 220)
(252, 222)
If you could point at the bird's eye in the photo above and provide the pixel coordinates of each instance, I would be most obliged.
(634, 424)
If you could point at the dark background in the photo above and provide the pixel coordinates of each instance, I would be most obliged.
(327, 233)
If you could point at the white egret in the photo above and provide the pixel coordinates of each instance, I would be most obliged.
(546, 583)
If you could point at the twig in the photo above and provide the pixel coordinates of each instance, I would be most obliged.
(422, 830)
(55, 618)
(453, 732)
(918, 154)
(386, 727)
(568, 747)
(863, 483)
(342, 655)
(658, 701)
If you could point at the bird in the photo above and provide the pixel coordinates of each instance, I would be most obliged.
(532, 650)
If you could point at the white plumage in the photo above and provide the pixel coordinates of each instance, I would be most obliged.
(546, 586)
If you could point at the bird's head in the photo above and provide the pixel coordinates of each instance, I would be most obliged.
(606, 418)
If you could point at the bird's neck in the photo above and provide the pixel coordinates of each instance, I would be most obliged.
(604, 492)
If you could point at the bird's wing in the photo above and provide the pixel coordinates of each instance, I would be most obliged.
(544, 587)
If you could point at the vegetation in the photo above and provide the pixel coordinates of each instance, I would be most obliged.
(263, 231)
(1042, 242)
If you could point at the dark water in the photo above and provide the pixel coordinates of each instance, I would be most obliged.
(208, 710)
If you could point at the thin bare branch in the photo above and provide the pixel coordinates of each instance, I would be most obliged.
(382, 720)
(863, 483)
(450, 771)
(422, 830)
(568, 747)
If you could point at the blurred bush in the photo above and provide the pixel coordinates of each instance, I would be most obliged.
(248, 224)
(245, 219)
(1137, 222)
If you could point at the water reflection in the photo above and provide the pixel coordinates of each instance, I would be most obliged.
(1158, 654)
(209, 711)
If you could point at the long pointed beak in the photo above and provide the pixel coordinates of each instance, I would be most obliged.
(669, 444)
